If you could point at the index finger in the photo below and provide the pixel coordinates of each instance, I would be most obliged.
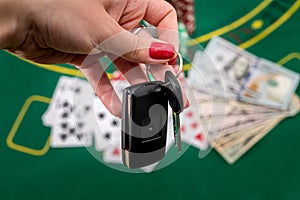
(161, 14)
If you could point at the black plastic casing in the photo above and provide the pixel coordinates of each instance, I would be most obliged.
(144, 139)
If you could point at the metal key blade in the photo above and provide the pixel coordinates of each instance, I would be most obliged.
(175, 127)
(178, 133)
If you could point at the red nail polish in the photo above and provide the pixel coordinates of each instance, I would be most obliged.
(161, 50)
(173, 61)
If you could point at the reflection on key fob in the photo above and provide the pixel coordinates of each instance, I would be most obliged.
(144, 124)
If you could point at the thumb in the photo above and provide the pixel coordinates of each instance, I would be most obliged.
(139, 48)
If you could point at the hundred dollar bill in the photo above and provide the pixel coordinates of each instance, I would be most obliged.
(226, 70)
(270, 85)
(221, 69)
(232, 62)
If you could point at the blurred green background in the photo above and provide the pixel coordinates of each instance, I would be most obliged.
(270, 170)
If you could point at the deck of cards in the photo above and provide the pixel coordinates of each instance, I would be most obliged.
(241, 97)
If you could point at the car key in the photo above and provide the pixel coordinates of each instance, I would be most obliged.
(144, 119)
(177, 134)
(144, 123)
(176, 103)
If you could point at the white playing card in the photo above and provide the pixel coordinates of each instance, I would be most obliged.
(191, 131)
(61, 87)
(113, 154)
(75, 89)
(70, 136)
(67, 113)
(108, 130)
(149, 168)
(70, 128)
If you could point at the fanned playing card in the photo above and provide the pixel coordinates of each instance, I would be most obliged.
(191, 130)
(108, 127)
(67, 113)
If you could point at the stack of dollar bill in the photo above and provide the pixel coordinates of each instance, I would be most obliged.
(240, 96)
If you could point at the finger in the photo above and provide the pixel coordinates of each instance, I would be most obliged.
(133, 72)
(99, 81)
(138, 49)
(108, 96)
(163, 15)
(91, 68)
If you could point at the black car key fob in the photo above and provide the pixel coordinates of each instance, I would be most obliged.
(144, 123)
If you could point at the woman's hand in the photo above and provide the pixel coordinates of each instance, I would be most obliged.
(66, 31)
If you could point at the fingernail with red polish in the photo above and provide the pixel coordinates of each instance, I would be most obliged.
(161, 51)
(173, 61)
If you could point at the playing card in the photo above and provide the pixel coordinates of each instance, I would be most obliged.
(70, 128)
(149, 168)
(62, 86)
(108, 127)
(113, 154)
(68, 112)
(74, 89)
(191, 131)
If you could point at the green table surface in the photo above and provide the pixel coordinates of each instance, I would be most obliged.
(270, 170)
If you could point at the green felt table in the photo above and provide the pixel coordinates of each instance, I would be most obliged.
(29, 169)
